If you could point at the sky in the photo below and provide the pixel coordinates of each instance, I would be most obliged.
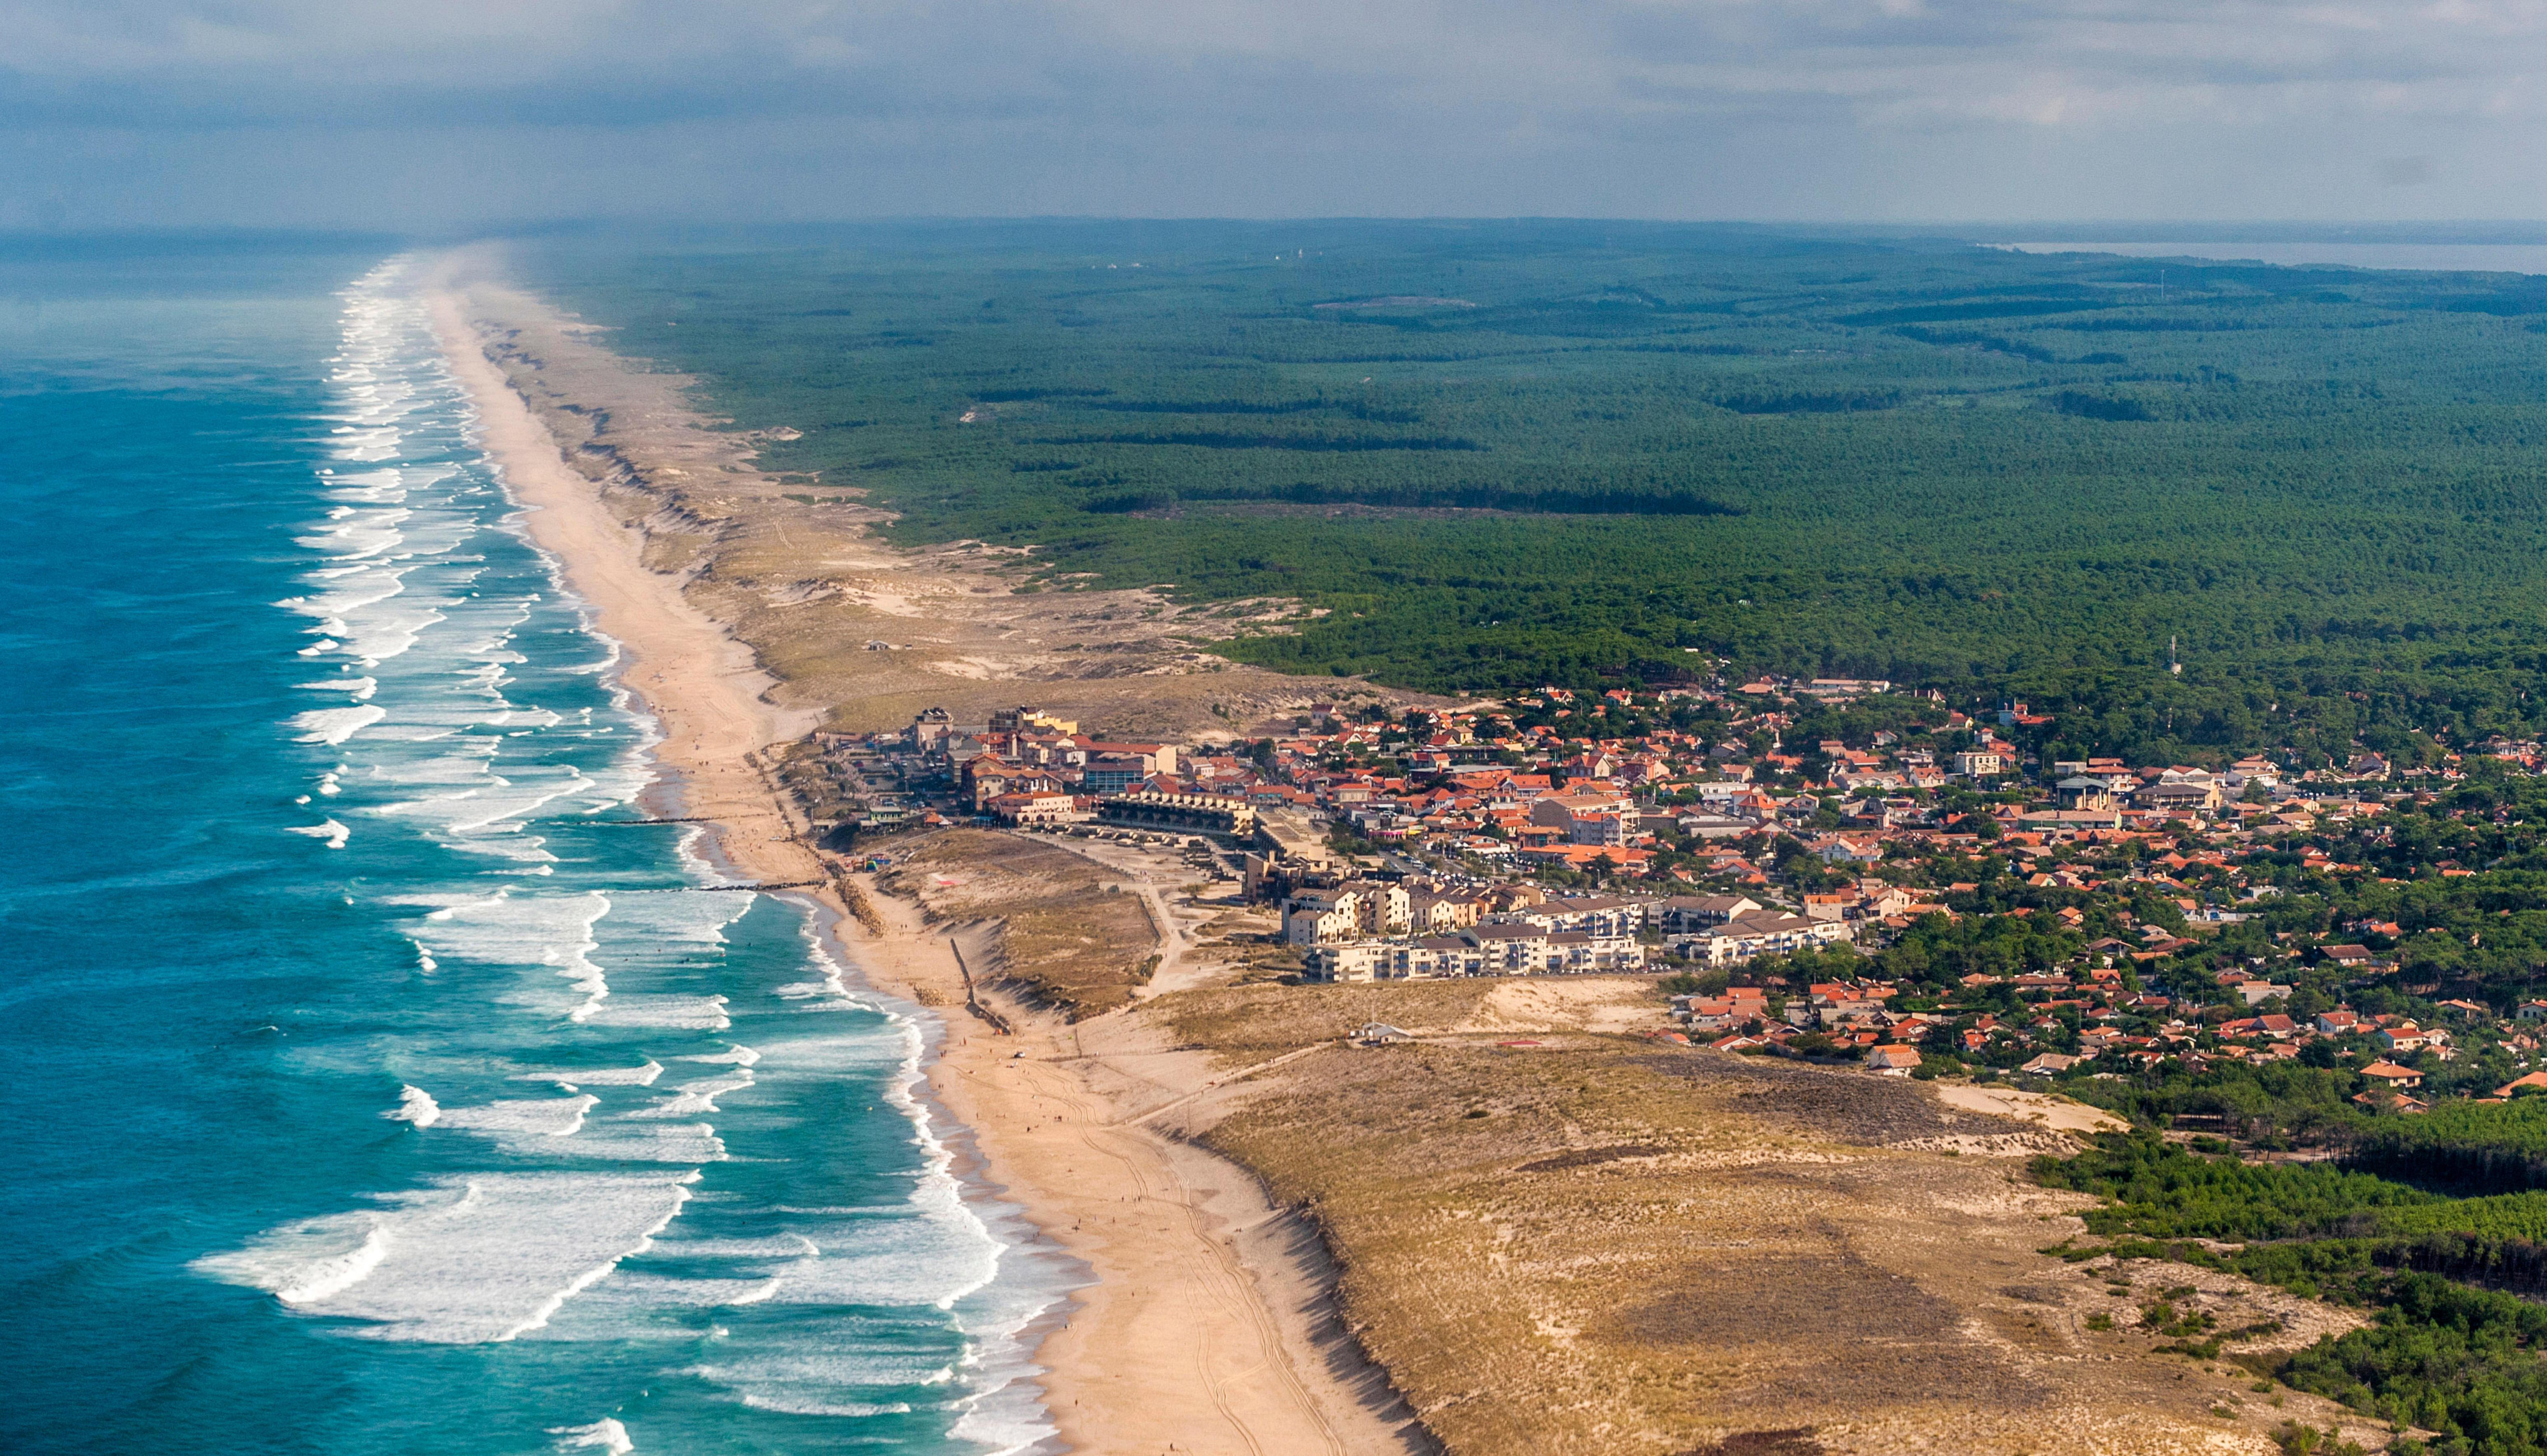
(464, 114)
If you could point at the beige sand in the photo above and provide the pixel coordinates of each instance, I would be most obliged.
(1202, 1330)
(2056, 1113)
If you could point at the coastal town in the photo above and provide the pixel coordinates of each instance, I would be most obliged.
(1402, 1011)
(1822, 869)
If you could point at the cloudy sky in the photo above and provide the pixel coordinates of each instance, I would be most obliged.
(464, 112)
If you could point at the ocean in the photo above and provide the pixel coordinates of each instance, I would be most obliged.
(383, 1081)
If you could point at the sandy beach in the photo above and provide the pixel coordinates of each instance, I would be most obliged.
(1206, 1327)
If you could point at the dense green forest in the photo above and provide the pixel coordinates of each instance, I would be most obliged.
(2454, 1347)
(1500, 454)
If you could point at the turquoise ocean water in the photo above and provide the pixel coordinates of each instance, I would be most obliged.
(379, 1084)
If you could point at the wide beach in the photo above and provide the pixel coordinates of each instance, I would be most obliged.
(1198, 1331)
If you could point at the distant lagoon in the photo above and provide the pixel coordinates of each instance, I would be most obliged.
(2440, 257)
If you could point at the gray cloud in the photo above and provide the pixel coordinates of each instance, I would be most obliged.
(407, 113)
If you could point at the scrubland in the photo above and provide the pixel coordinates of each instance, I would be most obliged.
(1561, 1241)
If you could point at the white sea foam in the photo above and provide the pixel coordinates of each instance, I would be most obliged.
(416, 1105)
(697, 1097)
(776, 1247)
(357, 535)
(350, 592)
(467, 765)
(522, 1119)
(606, 1433)
(509, 930)
(939, 1251)
(379, 636)
(659, 1013)
(336, 724)
(486, 747)
(334, 833)
(329, 1275)
(609, 1076)
(489, 1256)
(814, 1382)
(689, 1142)
(638, 1294)
(496, 804)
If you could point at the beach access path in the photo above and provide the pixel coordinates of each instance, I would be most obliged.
(1200, 1331)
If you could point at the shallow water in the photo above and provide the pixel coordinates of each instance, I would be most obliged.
(382, 1085)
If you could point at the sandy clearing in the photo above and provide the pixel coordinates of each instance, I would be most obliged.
(2059, 1114)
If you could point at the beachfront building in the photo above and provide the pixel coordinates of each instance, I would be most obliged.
(1483, 950)
(1197, 814)
(1037, 811)
(1317, 917)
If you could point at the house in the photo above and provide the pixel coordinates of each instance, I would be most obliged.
(1862, 849)
(1355, 961)
(1599, 914)
(1829, 907)
(2338, 1023)
(1841, 1012)
(1892, 1061)
(2083, 792)
(2514, 1086)
(1035, 809)
(2049, 1063)
(1714, 826)
(2351, 956)
(2400, 1079)
(1114, 768)
(1486, 949)
(1586, 818)
(1321, 918)
(1193, 813)
(1698, 912)
(1759, 933)
(2178, 798)
(1380, 907)
(1431, 911)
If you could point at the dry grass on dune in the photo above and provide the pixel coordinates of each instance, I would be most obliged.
(796, 570)
(1249, 1023)
(1061, 937)
(1602, 1245)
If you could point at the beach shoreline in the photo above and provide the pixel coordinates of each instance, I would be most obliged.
(1196, 1327)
